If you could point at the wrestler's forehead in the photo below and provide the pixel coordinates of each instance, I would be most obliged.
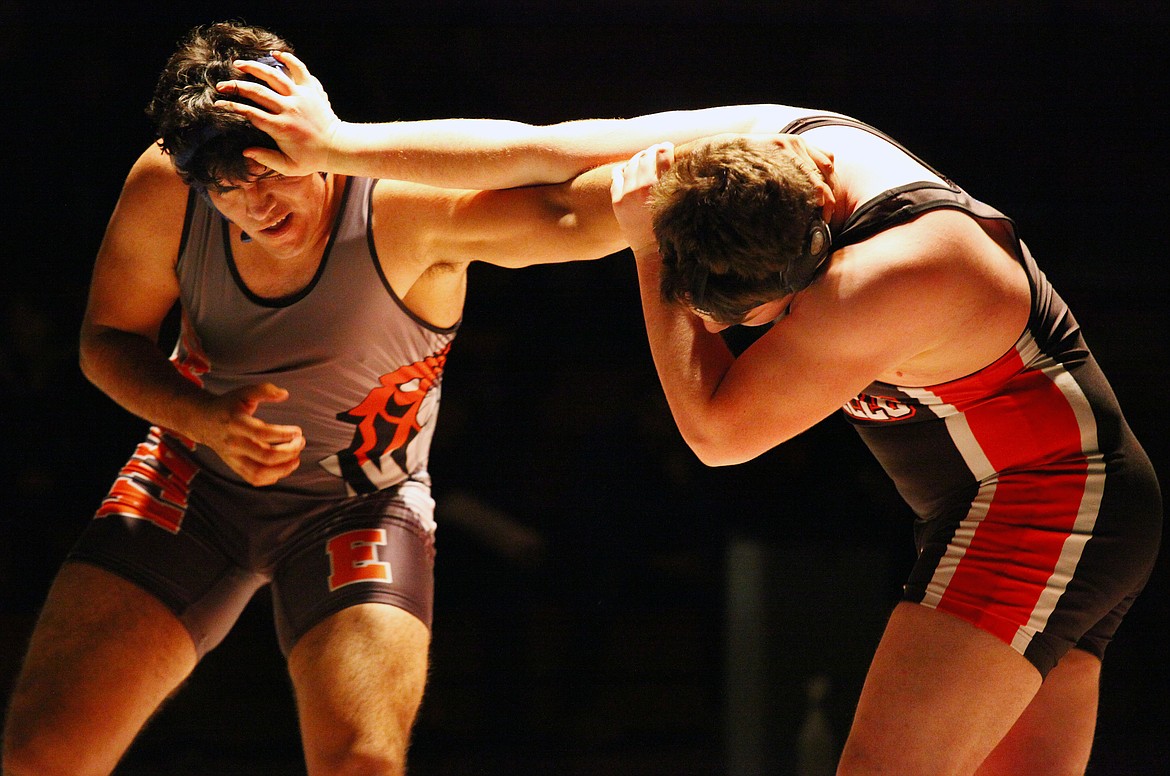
(256, 172)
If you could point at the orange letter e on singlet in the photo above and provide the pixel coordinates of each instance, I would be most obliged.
(353, 557)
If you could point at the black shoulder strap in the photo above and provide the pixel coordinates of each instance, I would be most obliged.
(903, 203)
(897, 205)
(805, 123)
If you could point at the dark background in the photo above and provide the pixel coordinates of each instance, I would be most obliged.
(585, 622)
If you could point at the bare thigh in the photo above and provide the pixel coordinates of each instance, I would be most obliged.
(938, 698)
(359, 677)
(1054, 735)
(103, 656)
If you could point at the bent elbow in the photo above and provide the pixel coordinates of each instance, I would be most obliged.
(85, 357)
(712, 461)
(732, 442)
(94, 351)
(714, 451)
(716, 459)
(92, 368)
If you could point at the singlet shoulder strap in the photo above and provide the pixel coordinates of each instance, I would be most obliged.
(902, 203)
(805, 123)
(188, 215)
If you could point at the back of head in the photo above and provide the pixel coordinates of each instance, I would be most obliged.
(205, 142)
(731, 216)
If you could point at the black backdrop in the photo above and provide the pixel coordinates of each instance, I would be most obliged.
(587, 632)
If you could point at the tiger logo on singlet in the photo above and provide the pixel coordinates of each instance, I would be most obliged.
(385, 423)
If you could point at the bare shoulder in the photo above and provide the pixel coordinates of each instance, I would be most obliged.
(153, 193)
(134, 283)
(774, 118)
(408, 220)
(153, 168)
(869, 162)
(951, 296)
(941, 259)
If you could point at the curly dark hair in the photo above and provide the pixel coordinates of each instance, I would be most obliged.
(205, 143)
(730, 217)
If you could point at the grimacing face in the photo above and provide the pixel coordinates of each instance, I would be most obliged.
(284, 215)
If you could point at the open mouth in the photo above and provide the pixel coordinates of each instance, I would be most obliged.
(278, 227)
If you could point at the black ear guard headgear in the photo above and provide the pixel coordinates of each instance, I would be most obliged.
(818, 244)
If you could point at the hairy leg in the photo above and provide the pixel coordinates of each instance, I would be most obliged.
(938, 698)
(359, 679)
(1054, 735)
(103, 656)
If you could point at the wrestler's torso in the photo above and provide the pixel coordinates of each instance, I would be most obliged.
(363, 373)
(1042, 407)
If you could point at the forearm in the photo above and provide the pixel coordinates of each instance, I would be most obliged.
(590, 215)
(457, 153)
(496, 154)
(691, 362)
(131, 370)
(134, 373)
(454, 153)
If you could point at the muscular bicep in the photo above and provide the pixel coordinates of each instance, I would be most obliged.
(133, 286)
(420, 227)
(572, 221)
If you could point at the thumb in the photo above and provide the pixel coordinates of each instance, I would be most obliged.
(269, 392)
(252, 395)
(664, 157)
(617, 184)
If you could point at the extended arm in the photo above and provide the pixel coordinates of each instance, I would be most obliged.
(461, 153)
(133, 288)
(569, 221)
(420, 230)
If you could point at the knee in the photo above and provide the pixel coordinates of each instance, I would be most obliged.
(18, 755)
(24, 754)
(34, 745)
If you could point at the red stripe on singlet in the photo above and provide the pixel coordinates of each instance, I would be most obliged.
(1016, 546)
(153, 485)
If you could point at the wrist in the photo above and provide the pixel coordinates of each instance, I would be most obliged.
(192, 408)
(339, 141)
(647, 252)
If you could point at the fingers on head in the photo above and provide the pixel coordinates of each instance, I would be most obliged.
(246, 89)
(296, 68)
(664, 155)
